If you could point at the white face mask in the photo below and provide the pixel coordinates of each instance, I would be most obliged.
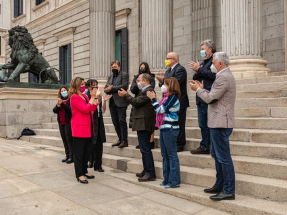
(213, 69)
(139, 85)
(163, 89)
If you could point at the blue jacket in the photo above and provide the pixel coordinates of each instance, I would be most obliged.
(204, 74)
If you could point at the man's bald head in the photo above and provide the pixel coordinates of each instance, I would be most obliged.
(173, 55)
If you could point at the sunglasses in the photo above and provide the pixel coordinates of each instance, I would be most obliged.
(95, 87)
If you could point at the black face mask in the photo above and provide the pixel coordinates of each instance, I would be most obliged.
(142, 71)
(64, 98)
(115, 71)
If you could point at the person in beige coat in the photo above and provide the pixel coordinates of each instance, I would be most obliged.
(221, 101)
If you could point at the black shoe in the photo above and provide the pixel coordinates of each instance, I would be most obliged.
(70, 160)
(138, 147)
(99, 170)
(146, 178)
(152, 145)
(82, 181)
(222, 196)
(90, 165)
(139, 175)
(179, 148)
(117, 143)
(213, 190)
(90, 176)
(123, 144)
(65, 159)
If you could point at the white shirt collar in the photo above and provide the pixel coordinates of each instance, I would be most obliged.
(220, 71)
(173, 66)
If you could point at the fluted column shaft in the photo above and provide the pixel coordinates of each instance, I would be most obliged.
(242, 34)
(156, 32)
(102, 37)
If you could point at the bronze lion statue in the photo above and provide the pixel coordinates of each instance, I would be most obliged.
(26, 58)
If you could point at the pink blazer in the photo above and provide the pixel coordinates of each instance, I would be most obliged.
(81, 121)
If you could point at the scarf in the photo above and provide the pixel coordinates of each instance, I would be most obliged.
(160, 117)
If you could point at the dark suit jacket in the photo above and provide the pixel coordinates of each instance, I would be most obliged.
(180, 74)
(143, 113)
(204, 74)
(122, 81)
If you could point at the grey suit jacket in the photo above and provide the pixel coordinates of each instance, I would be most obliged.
(122, 81)
(220, 100)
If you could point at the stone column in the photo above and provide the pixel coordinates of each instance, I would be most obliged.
(157, 34)
(102, 38)
(242, 37)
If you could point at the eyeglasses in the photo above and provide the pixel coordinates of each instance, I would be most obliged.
(169, 58)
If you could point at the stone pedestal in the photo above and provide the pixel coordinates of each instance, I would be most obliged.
(156, 33)
(102, 38)
(21, 108)
(242, 37)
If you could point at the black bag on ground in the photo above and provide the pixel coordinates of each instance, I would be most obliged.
(27, 132)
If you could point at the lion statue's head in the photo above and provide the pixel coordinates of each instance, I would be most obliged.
(19, 40)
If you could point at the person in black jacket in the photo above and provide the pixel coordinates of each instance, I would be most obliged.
(202, 72)
(99, 138)
(177, 71)
(143, 68)
(64, 115)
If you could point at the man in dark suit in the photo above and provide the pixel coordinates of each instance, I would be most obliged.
(177, 71)
(118, 106)
(144, 123)
(202, 72)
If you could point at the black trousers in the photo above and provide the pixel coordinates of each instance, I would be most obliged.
(66, 134)
(181, 140)
(119, 118)
(82, 150)
(97, 153)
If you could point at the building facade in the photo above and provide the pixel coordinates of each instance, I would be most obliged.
(82, 37)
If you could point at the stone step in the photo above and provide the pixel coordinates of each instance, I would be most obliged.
(242, 205)
(254, 186)
(261, 94)
(261, 102)
(272, 86)
(269, 79)
(45, 140)
(52, 125)
(262, 167)
(242, 123)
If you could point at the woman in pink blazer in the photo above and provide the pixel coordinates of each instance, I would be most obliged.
(82, 126)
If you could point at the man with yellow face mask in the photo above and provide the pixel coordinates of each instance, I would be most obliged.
(177, 71)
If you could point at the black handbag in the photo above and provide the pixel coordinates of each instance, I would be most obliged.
(27, 132)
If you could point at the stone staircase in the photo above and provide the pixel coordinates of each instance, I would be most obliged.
(258, 147)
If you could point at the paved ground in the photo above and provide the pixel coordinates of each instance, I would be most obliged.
(33, 180)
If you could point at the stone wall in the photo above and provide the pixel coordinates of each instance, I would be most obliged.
(274, 34)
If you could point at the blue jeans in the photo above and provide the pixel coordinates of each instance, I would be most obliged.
(220, 151)
(145, 148)
(202, 109)
(170, 162)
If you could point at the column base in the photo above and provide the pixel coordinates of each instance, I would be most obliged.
(249, 68)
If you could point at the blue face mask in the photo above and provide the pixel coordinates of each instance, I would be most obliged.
(202, 53)
(64, 94)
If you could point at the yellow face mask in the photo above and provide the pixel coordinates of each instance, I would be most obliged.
(167, 62)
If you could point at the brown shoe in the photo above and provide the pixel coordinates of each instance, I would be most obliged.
(139, 175)
(146, 178)
(117, 143)
(199, 150)
(123, 144)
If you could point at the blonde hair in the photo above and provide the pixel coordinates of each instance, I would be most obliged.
(75, 85)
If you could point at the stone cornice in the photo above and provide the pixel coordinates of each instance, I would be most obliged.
(123, 13)
(3, 29)
(40, 5)
(6, 37)
(65, 31)
(19, 17)
(54, 13)
(39, 42)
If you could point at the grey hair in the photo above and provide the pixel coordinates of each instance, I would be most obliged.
(209, 44)
(146, 77)
(221, 57)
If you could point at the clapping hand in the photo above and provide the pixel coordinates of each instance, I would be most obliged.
(109, 88)
(122, 92)
(194, 85)
(107, 97)
(99, 97)
(151, 95)
(59, 102)
(159, 78)
(194, 66)
(93, 92)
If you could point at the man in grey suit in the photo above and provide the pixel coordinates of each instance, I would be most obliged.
(221, 101)
(118, 106)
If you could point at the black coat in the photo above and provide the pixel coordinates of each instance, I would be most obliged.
(180, 74)
(135, 90)
(68, 111)
(204, 74)
(99, 127)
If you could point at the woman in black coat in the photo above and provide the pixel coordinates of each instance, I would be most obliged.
(143, 68)
(64, 115)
